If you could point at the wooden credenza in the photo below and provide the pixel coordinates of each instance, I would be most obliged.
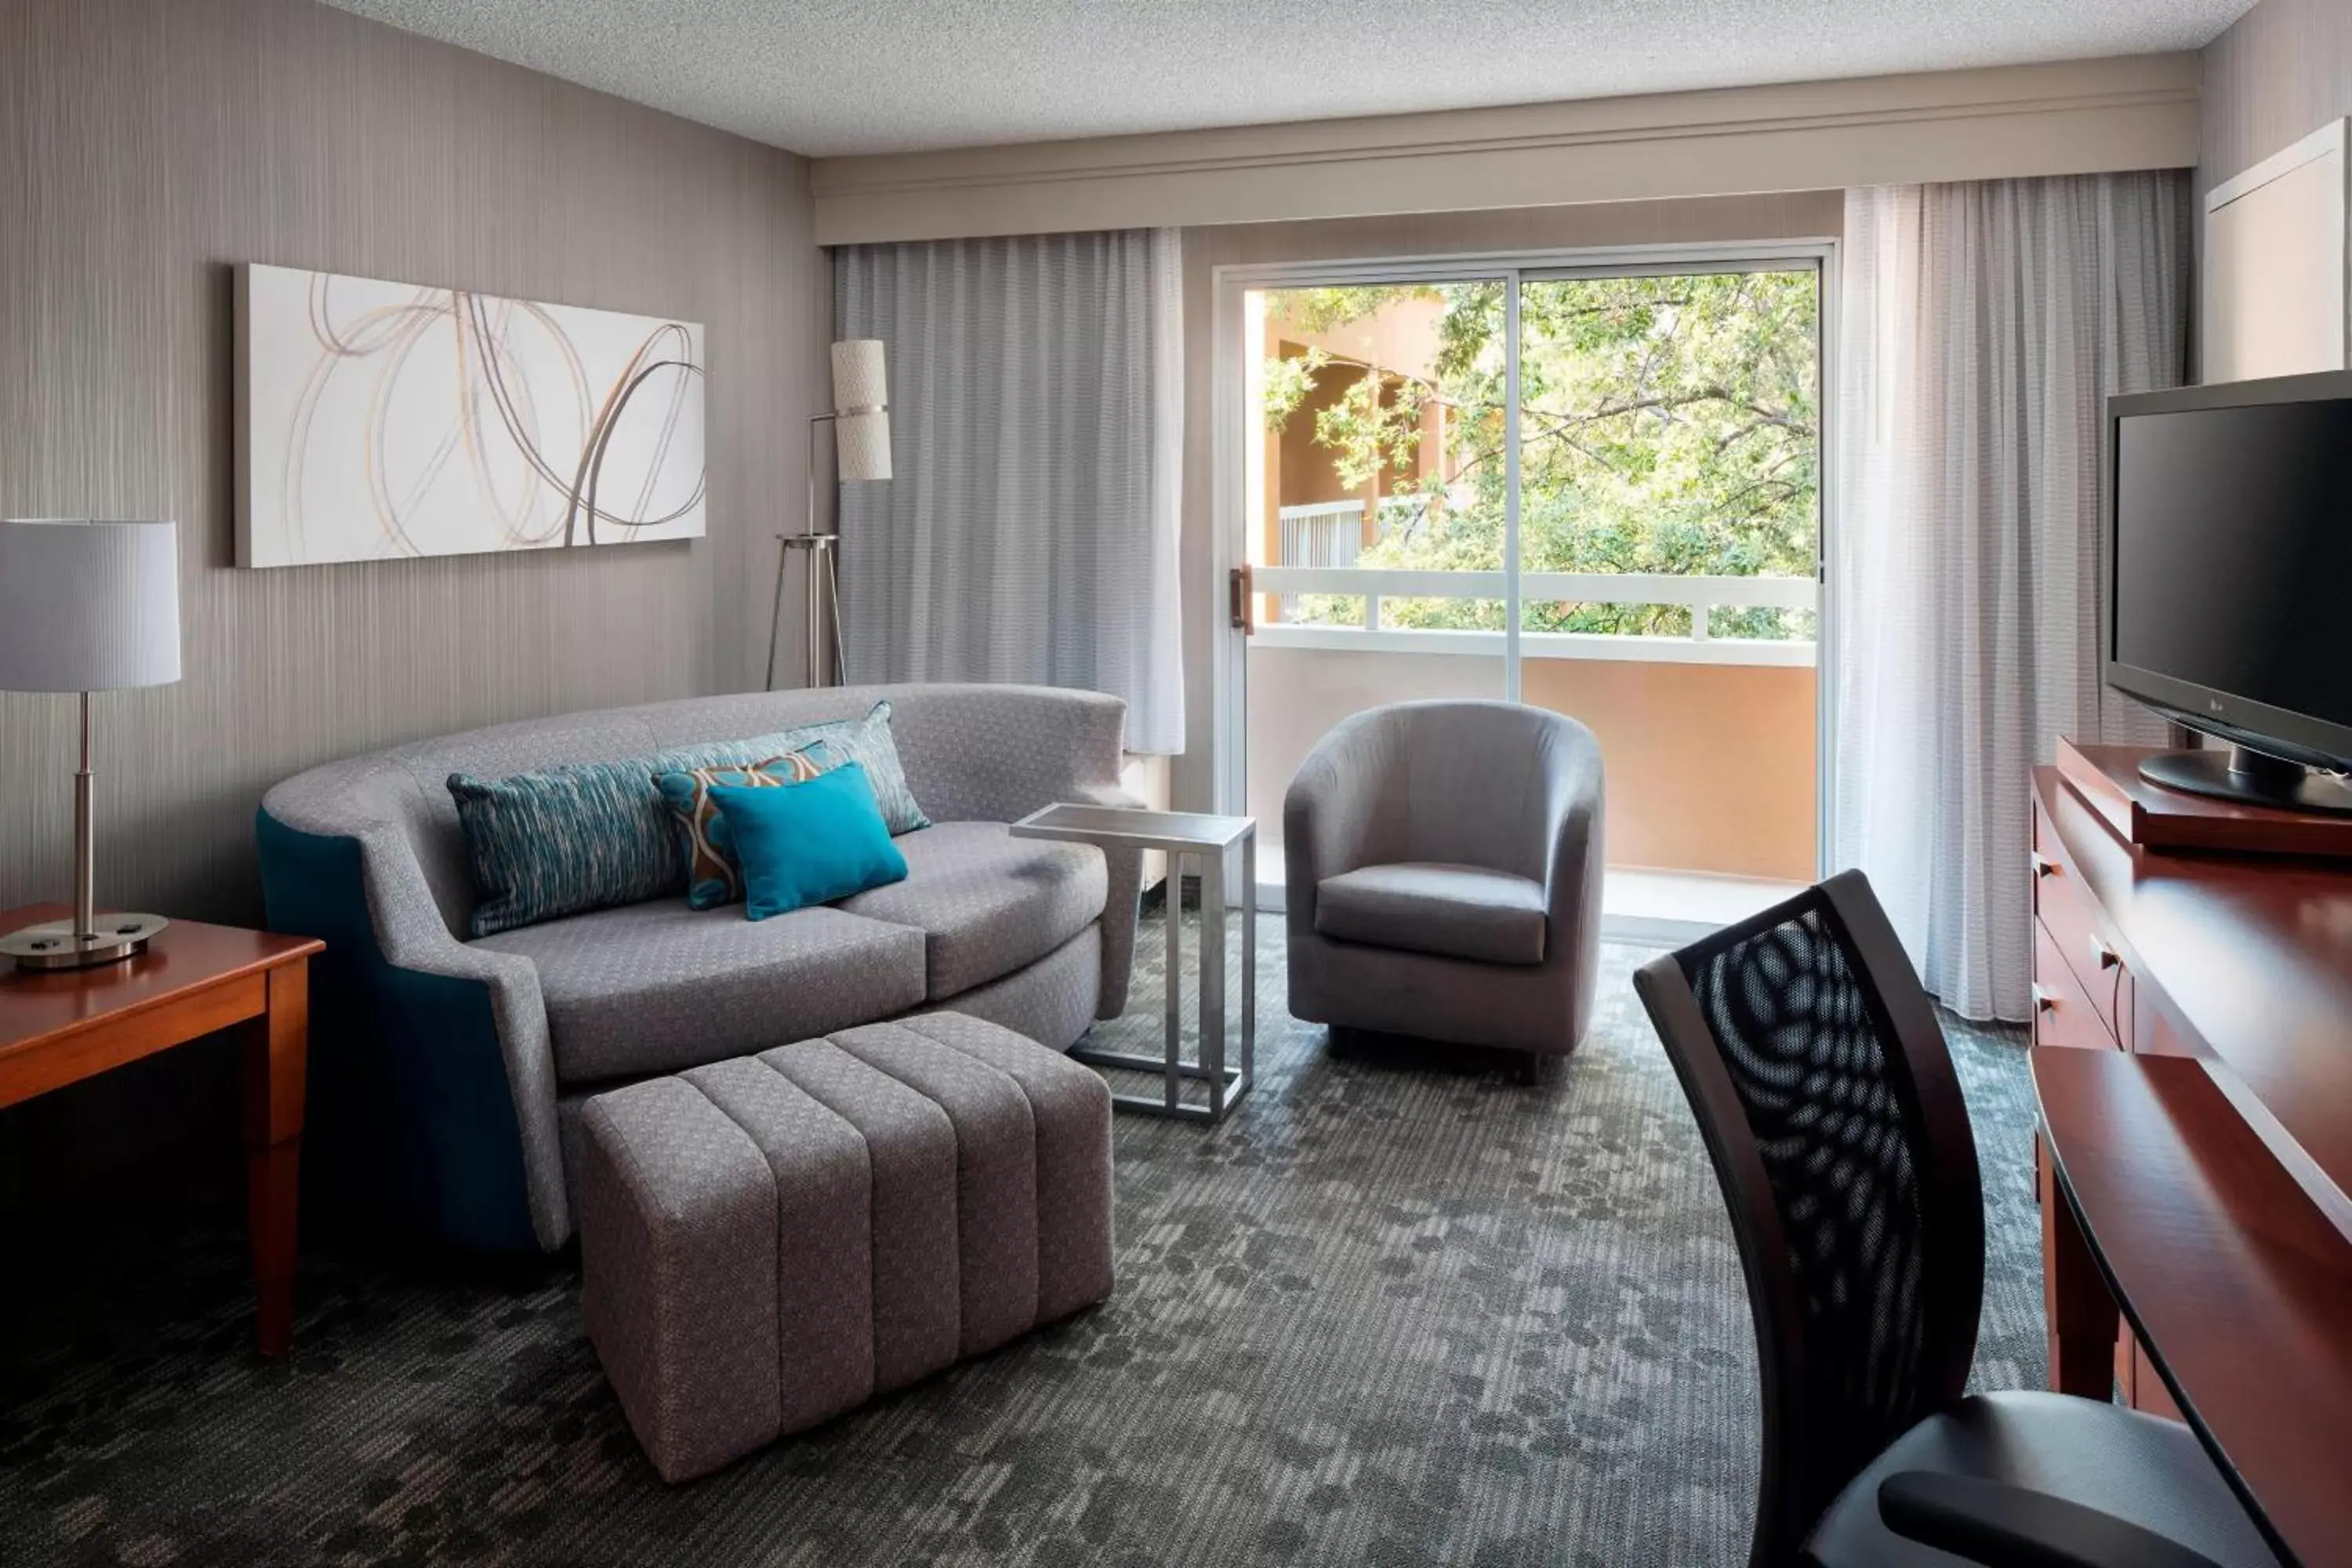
(2082, 998)
(2246, 960)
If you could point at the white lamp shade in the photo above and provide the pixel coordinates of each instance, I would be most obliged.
(861, 444)
(859, 381)
(88, 606)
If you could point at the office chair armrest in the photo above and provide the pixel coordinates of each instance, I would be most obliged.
(2007, 1526)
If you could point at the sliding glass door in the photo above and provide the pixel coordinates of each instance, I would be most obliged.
(1593, 489)
(1361, 469)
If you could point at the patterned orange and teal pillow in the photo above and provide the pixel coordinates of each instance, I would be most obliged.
(714, 876)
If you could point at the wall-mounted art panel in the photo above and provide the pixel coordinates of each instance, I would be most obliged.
(378, 421)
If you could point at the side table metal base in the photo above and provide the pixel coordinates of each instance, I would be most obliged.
(1236, 1085)
(1205, 838)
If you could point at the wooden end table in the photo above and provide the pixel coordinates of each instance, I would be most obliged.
(63, 1026)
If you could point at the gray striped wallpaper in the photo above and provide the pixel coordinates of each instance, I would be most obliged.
(146, 145)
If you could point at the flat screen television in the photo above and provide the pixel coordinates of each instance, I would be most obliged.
(2229, 581)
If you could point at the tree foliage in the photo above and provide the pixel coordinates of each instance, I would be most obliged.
(1668, 424)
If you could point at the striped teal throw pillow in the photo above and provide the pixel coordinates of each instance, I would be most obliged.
(562, 841)
(865, 741)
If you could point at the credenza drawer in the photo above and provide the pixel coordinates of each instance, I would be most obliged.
(2062, 1011)
(2065, 915)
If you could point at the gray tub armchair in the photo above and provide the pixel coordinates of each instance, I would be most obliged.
(1442, 863)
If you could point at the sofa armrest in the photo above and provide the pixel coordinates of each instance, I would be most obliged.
(1122, 904)
(432, 1059)
(995, 753)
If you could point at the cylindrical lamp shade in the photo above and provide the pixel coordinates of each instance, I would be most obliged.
(861, 442)
(88, 606)
(859, 383)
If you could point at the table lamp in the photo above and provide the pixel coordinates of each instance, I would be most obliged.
(87, 606)
(860, 417)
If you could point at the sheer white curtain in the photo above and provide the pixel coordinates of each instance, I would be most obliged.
(1029, 533)
(1983, 328)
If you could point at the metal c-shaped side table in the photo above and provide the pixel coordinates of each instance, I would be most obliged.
(1207, 839)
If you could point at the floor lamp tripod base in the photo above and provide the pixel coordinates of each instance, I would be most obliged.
(824, 597)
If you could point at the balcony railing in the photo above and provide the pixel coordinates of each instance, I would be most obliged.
(1698, 594)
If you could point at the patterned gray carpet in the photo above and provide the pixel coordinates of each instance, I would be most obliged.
(1394, 1312)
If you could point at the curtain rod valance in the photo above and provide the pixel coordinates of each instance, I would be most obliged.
(2073, 117)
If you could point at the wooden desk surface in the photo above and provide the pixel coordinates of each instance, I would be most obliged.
(36, 1005)
(2238, 1286)
(2249, 957)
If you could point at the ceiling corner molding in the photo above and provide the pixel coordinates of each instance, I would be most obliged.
(2137, 111)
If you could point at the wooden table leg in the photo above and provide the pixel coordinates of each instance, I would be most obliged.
(275, 1049)
(2080, 1312)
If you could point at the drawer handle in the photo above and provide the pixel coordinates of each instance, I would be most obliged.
(2104, 953)
(2043, 864)
(2045, 999)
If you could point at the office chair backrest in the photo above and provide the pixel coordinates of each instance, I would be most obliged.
(1824, 1089)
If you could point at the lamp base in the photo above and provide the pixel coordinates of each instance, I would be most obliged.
(53, 944)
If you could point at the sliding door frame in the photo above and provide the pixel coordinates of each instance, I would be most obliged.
(1229, 511)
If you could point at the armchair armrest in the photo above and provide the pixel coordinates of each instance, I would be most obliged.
(2007, 1526)
(1331, 812)
(1572, 830)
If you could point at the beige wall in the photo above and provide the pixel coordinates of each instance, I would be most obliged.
(1710, 767)
(150, 144)
(1811, 214)
(2282, 71)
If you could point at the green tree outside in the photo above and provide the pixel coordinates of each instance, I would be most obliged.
(1668, 424)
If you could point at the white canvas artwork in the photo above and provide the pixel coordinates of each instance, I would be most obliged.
(378, 421)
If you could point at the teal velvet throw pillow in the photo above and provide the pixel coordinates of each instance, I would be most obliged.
(809, 843)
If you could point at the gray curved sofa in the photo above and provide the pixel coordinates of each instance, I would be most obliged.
(446, 1074)
(1442, 872)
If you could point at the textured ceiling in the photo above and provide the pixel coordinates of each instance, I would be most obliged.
(826, 76)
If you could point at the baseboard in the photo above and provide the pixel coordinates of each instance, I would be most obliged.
(1653, 931)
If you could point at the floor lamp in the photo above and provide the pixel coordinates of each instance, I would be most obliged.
(84, 607)
(860, 417)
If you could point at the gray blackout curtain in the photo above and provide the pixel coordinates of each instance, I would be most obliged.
(1029, 533)
(1983, 326)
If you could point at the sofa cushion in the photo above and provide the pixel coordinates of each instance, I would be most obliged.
(987, 902)
(1426, 906)
(656, 987)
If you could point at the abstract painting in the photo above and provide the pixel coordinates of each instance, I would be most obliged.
(379, 421)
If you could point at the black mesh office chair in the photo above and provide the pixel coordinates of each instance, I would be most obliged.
(1822, 1083)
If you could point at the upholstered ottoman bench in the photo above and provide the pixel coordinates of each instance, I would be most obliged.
(773, 1240)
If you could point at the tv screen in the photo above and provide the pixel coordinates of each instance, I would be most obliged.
(2232, 557)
